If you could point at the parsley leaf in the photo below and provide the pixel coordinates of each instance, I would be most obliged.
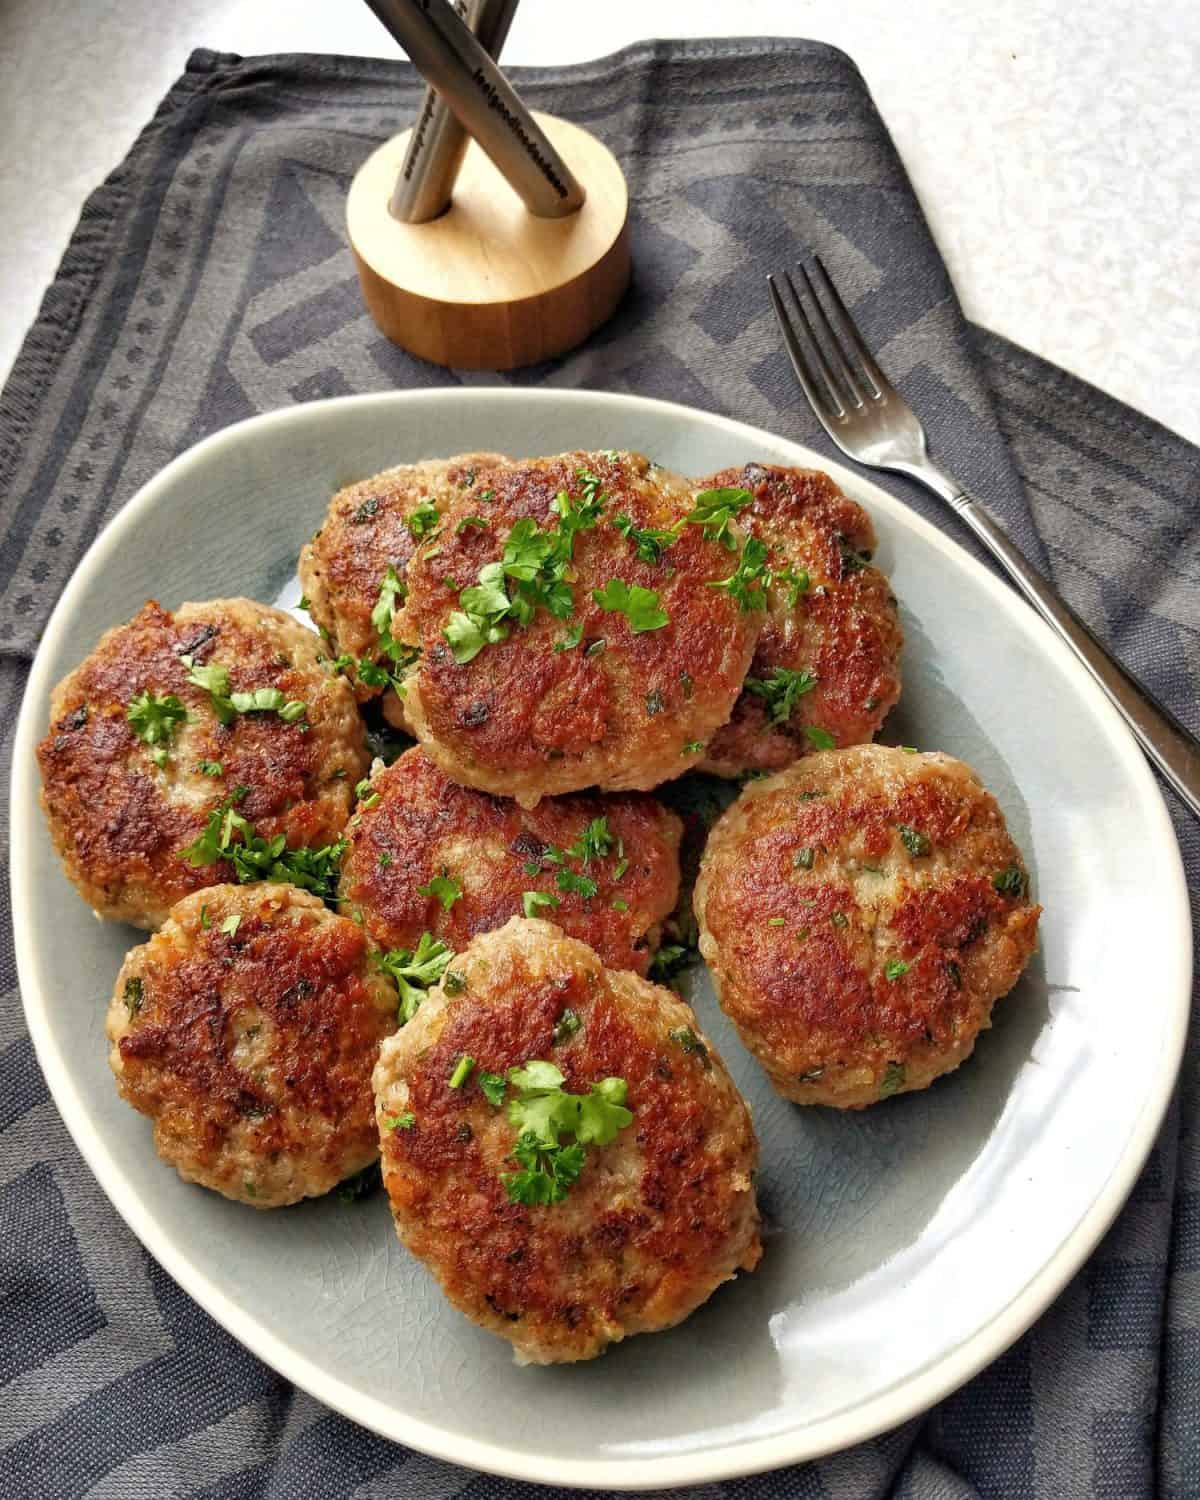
(1009, 882)
(155, 719)
(893, 1079)
(714, 509)
(231, 924)
(415, 970)
(594, 842)
(212, 768)
(747, 583)
(532, 901)
(443, 888)
(691, 1044)
(423, 519)
(542, 1113)
(492, 1086)
(572, 638)
(228, 835)
(269, 700)
(895, 968)
(132, 995)
(649, 542)
(916, 843)
(818, 738)
(795, 581)
(670, 959)
(639, 606)
(214, 680)
(404, 1121)
(567, 1025)
(582, 885)
(781, 690)
(463, 1069)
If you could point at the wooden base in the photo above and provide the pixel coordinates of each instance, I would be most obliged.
(487, 286)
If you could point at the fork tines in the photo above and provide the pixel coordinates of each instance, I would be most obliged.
(835, 370)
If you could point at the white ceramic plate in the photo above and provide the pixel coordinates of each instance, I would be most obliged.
(908, 1245)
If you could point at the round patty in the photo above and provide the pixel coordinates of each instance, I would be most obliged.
(657, 1218)
(246, 1029)
(370, 527)
(567, 693)
(861, 913)
(825, 669)
(129, 780)
(427, 855)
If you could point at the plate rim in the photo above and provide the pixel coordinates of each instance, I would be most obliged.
(888, 1409)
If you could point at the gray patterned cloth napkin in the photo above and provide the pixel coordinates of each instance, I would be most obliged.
(209, 280)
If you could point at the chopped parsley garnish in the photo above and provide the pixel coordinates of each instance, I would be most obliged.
(269, 700)
(405, 1121)
(205, 921)
(365, 511)
(1009, 882)
(210, 768)
(692, 747)
(566, 1025)
(639, 606)
(670, 959)
(455, 982)
(618, 905)
(443, 888)
(893, 1079)
(361, 1185)
(803, 858)
(795, 581)
(594, 842)
(392, 591)
(492, 1085)
(543, 1113)
(154, 720)
(747, 583)
(781, 690)
(776, 921)
(895, 968)
(853, 561)
(691, 1044)
(533, 901)
(649, 542)
(304, 603)
(580, 885)
(572, 638)
(231, 924)
(366, 797)
(214, 680)
(478, 522)
(228, 835)
(463, 1069)
(917, 844)
(423, 519)
(132, 996)
(415, 970)
(714, 509)
(818, 738)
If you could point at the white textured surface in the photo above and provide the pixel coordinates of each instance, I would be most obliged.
(1055, 148)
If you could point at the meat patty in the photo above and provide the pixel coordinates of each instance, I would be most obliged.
(564, 1254)
(825, 671)
(247, 1029)
(427, 855)
(140, 752)
(861, 913)
(373, 526)
(576, 629)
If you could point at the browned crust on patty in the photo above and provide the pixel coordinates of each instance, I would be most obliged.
(252, 1050)
(424, 825)
(365, 532)
(657, 1219)
(807, 892)
(119, 822)
(844, 627)
(525, 720)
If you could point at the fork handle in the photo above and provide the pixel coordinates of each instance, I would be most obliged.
(1168, 744)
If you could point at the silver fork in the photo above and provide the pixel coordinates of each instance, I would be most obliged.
(871, 422)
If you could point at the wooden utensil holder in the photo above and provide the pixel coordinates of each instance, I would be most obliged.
(487, 286)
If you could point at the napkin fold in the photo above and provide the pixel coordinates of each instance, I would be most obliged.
(209, 280)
